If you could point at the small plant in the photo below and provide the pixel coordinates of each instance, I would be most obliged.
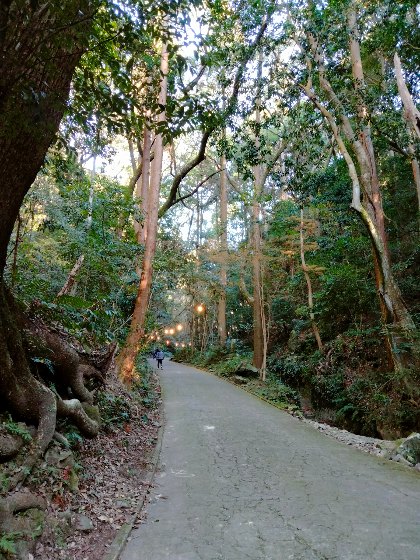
(115, 411)
(17, 429)
(74, 438)
(8, 542)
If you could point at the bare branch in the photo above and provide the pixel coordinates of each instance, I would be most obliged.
(200, 184)
(194, 82)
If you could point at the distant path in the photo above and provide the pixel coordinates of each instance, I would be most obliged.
(240, 480)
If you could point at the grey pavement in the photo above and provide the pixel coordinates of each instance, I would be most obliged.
(241, 480)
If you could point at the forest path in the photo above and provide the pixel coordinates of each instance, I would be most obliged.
(240, 479)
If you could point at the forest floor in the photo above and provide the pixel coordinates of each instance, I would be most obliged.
(89, 500)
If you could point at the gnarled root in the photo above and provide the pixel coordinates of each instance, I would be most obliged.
(26, 396)
(46, 415)
(73, 409)
(67, 364)
(19, 501)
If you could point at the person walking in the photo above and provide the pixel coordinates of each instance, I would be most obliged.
(159, 357)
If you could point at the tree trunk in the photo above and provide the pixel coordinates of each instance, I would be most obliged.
(71, 279)
(221, 310)
(15, 249)
(412, 114)
(35, 74)
(257, 308)
(143, 192)
(416, 172)
(36, 69)
(309, 285)
(129, 352)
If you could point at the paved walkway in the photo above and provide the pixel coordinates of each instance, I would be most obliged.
(241, 480)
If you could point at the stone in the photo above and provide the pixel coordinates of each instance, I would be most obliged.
(410, 449)
(83, 523)
(400, 459)
(66, 514)
(239, 380)
(123, 504)
(247, 369)
(55, 456)
(9, 446)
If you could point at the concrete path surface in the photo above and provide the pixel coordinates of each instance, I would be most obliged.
(242, 480)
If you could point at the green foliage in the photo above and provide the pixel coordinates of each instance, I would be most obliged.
(216, 359)
(74, 437)
(114, 410)
(8, 542)
(17, 429)
(58, 235)
(145, 388)
(290, 368)
(279, 394)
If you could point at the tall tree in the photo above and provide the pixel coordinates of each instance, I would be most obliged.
(357, 148)
(40, 46)
(129, 351)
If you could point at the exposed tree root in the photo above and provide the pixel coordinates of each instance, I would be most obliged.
(24, 393)
(19, 501)
(73, 409)
(67, 365)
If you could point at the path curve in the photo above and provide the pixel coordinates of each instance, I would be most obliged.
(240, 479)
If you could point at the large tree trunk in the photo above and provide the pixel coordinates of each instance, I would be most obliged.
(257, 305)
(40, 45)
(129, 352)
(36, 68)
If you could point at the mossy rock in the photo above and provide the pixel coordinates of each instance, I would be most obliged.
(410, 448)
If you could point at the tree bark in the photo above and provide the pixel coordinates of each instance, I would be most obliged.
(35, 74)
(143, 192)
(309, 285)
(221, 309)
(128, 354)
(412, 114)
(41, 44)
(257, 307)
(71, 279)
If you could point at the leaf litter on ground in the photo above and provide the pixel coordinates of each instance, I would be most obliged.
(111, 471)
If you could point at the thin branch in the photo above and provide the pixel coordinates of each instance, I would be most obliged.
(279, 149)
(172, 197)
(189, 166)
(186, 89)
(181, 198)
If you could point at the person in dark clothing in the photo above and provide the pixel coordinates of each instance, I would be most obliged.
(159, 357)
